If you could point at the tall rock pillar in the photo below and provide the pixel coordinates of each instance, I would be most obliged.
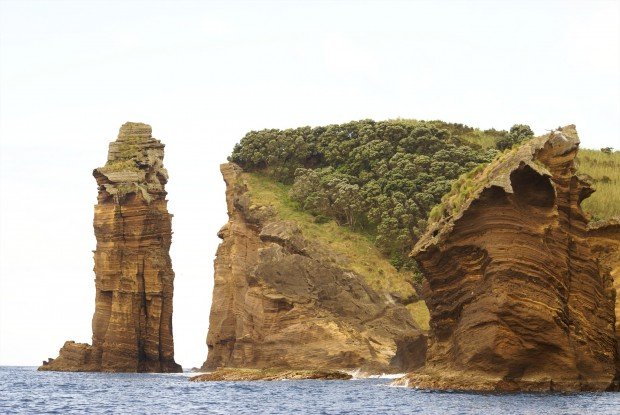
(132, 323)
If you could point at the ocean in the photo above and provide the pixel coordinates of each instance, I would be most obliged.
(23, 390)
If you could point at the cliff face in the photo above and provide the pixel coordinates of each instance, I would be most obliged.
(132, 324)
(282, 301)
(604, 237)
(516, 297)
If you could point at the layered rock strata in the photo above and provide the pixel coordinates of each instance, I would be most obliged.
(283, 301)
(604, 237)
(132, 324)
(516, 296)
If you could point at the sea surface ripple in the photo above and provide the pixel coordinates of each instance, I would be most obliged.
(24, 390)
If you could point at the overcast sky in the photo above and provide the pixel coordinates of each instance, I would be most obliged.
(203, 73)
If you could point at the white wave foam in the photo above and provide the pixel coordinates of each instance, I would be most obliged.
(359, 374)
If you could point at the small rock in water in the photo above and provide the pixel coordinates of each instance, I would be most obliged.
(270, 374)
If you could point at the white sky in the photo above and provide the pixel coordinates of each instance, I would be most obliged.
(204, 73)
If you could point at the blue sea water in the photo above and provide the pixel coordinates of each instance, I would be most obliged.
(24, 390)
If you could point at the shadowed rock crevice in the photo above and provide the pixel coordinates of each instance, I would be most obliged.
(132, 323)
(532, 188)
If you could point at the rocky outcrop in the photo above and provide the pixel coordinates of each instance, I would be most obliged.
(283, 301)
(132, 324)
(604, 237)
(244, 375)
(516, 297)
(74, 357)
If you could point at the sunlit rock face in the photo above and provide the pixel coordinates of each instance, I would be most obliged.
(281, 300)
(604, 236)
(516, 295)
(132, 324)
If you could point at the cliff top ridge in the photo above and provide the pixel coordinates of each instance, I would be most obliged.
(534, 153)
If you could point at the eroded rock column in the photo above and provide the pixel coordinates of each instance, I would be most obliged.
(132, 324)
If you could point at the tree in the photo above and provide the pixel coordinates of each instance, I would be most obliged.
(517, 134)
(380, 177)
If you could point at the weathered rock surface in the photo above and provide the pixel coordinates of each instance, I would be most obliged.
(74, 357)
(517, 299)
(269, 374)
(604, 237)
(132, 324)
(282, 301)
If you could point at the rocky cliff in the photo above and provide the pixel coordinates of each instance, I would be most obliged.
(283, 301)
(132, 324)
(604, 237)
(516, 296)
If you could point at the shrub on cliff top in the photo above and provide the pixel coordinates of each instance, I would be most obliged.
(518, 134)
(382, 178)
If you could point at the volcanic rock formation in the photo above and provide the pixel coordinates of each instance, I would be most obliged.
(517, 299)
(132, 324)
(604, 237)
(244, 375)
(282, 301)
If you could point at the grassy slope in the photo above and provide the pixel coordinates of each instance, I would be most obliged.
(605, 202)
(357, 249)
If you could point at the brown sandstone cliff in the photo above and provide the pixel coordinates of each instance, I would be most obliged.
(282, 301)
(516, 297)
(132, 324)
(604, 237)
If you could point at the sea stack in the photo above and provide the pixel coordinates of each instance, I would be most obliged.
(517, 297)
(132, 323)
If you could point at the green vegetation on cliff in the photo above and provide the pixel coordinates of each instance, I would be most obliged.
(381, 179)
(366, 188)
(355, 249)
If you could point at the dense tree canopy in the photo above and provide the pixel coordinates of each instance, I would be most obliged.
(381, 178)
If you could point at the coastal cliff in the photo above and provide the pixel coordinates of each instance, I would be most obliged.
(132, 323)
(517, 298)
(604, 237)
(281, 300)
